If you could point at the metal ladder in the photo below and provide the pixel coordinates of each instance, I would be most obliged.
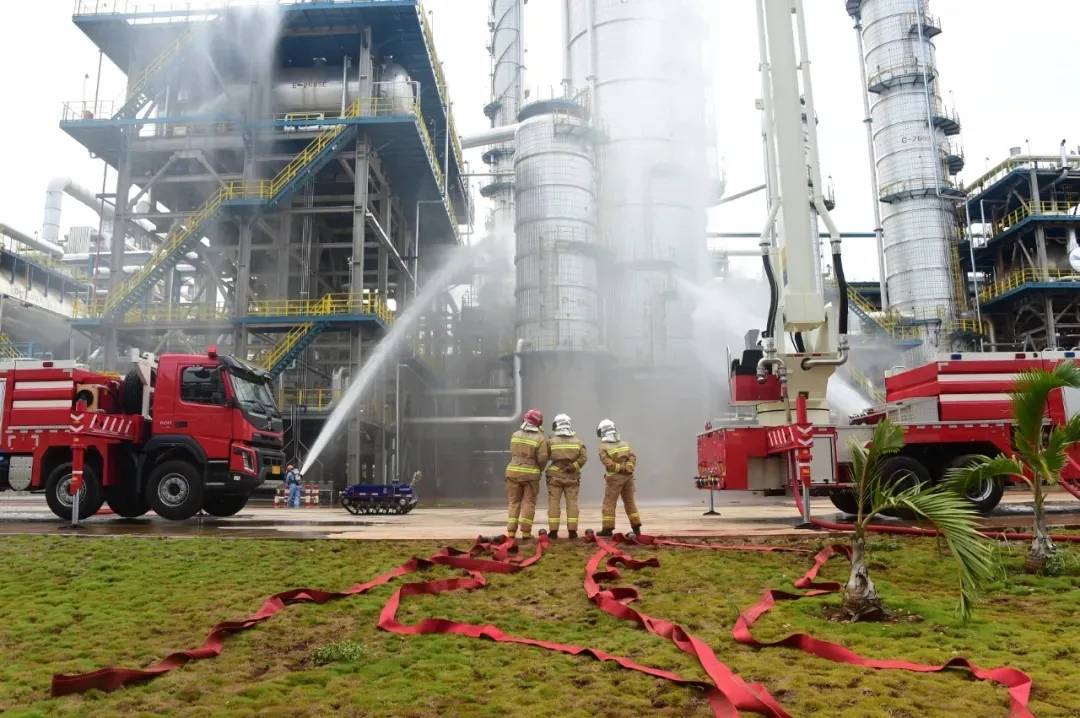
(145, 86)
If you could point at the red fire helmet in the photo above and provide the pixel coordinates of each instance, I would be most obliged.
(534, 417)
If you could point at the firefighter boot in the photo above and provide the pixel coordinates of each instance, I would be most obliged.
(636, 528)
(554, 534)
(572, 534)
(606, 532)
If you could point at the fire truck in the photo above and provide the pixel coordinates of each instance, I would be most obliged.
(952, 409)
(177, 434)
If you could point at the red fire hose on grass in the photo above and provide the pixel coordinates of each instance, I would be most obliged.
(727, 693)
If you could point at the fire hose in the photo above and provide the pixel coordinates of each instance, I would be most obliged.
(919, 531)
(727, 693)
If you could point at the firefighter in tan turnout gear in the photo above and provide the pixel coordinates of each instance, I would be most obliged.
(564, 475)
(528, 456)
(619, 462)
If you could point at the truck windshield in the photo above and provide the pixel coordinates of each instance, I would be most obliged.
(251, 392)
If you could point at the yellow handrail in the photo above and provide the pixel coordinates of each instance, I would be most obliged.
(1059, 206)
(142, 80)
(7, 348)
(1021, 277)
(440, 81)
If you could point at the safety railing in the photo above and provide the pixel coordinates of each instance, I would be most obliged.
(329, 305)
(891, 323)
(47, 261)
(8, 350)
(140, 87)
(322, 399)
(1020, 277)
(296, 335)
(1022, 162)
(873, 389)
(76, 110)
(1060, 206)
(440, 82)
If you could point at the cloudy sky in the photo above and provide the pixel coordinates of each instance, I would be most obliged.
(1011, 70)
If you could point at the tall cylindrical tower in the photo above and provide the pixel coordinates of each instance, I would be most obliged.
(507, 78)
(914, 154)
(647, 98)
(558, 305)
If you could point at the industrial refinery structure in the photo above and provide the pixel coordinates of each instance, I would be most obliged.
(285, 176)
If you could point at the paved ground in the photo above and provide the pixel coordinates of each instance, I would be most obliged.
(739, 514)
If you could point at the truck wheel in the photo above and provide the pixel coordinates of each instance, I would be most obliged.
(844, 499)
(985, 496)
(131, 393)
(125, 501)
(56, 492)
(903, 472)
(176, 490)
(224, 505)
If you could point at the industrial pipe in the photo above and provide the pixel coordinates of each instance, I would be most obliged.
(32, 242)
(518, 402)
(493, 136)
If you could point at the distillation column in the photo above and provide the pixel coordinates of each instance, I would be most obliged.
(558, 305)
(914, 157)
(507, 91)
(640, 62)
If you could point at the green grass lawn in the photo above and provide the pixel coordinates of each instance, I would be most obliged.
(71, 605)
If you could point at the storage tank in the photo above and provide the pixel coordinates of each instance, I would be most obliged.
(397, 88)
(558, 303)
(914, 155)
(640, 63)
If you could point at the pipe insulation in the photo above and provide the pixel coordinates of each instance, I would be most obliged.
(32, 242)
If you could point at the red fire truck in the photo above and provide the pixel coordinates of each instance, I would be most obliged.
(178, 434)
(952, 408)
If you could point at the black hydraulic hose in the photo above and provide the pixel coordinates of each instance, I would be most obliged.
(800, 345)
(841, 282)
(774, 298)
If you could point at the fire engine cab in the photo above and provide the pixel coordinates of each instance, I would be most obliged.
(177, 434)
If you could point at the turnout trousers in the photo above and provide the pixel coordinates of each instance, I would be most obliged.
(521, 502)
(619, 486)
(558, 488)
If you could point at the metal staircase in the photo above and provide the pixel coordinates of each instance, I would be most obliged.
(268, 193)
(8, 349)
(146, 86)
(881, 322)
(299, 338)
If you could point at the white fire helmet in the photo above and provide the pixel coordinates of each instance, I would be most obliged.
(606, 429)
(562, 425)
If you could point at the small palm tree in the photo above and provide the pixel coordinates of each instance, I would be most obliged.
(1040, 454)
(878, 489)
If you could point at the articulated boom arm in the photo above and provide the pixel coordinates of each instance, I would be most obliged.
(789, 241)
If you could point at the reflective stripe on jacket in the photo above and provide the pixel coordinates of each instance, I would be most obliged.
(568, 456)
(529, 454)
(617, 457)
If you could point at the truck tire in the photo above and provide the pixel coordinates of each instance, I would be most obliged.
(131, 393)
(907, 472)
(175, 490)
(984, 497)
(844, 499)
(224, 505)
(125, 501)
(60, 502)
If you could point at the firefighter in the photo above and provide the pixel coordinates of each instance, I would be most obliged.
(292, 483)
(564, 475)
(528, 456)
(619, 462)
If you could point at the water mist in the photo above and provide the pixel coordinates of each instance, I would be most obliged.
(385, 351)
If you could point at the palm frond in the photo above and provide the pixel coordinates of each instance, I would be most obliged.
(1029, 397)
(1062, 437)
(955, 518)
(979, 469)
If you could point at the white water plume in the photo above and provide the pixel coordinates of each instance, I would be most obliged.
(384, 351)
